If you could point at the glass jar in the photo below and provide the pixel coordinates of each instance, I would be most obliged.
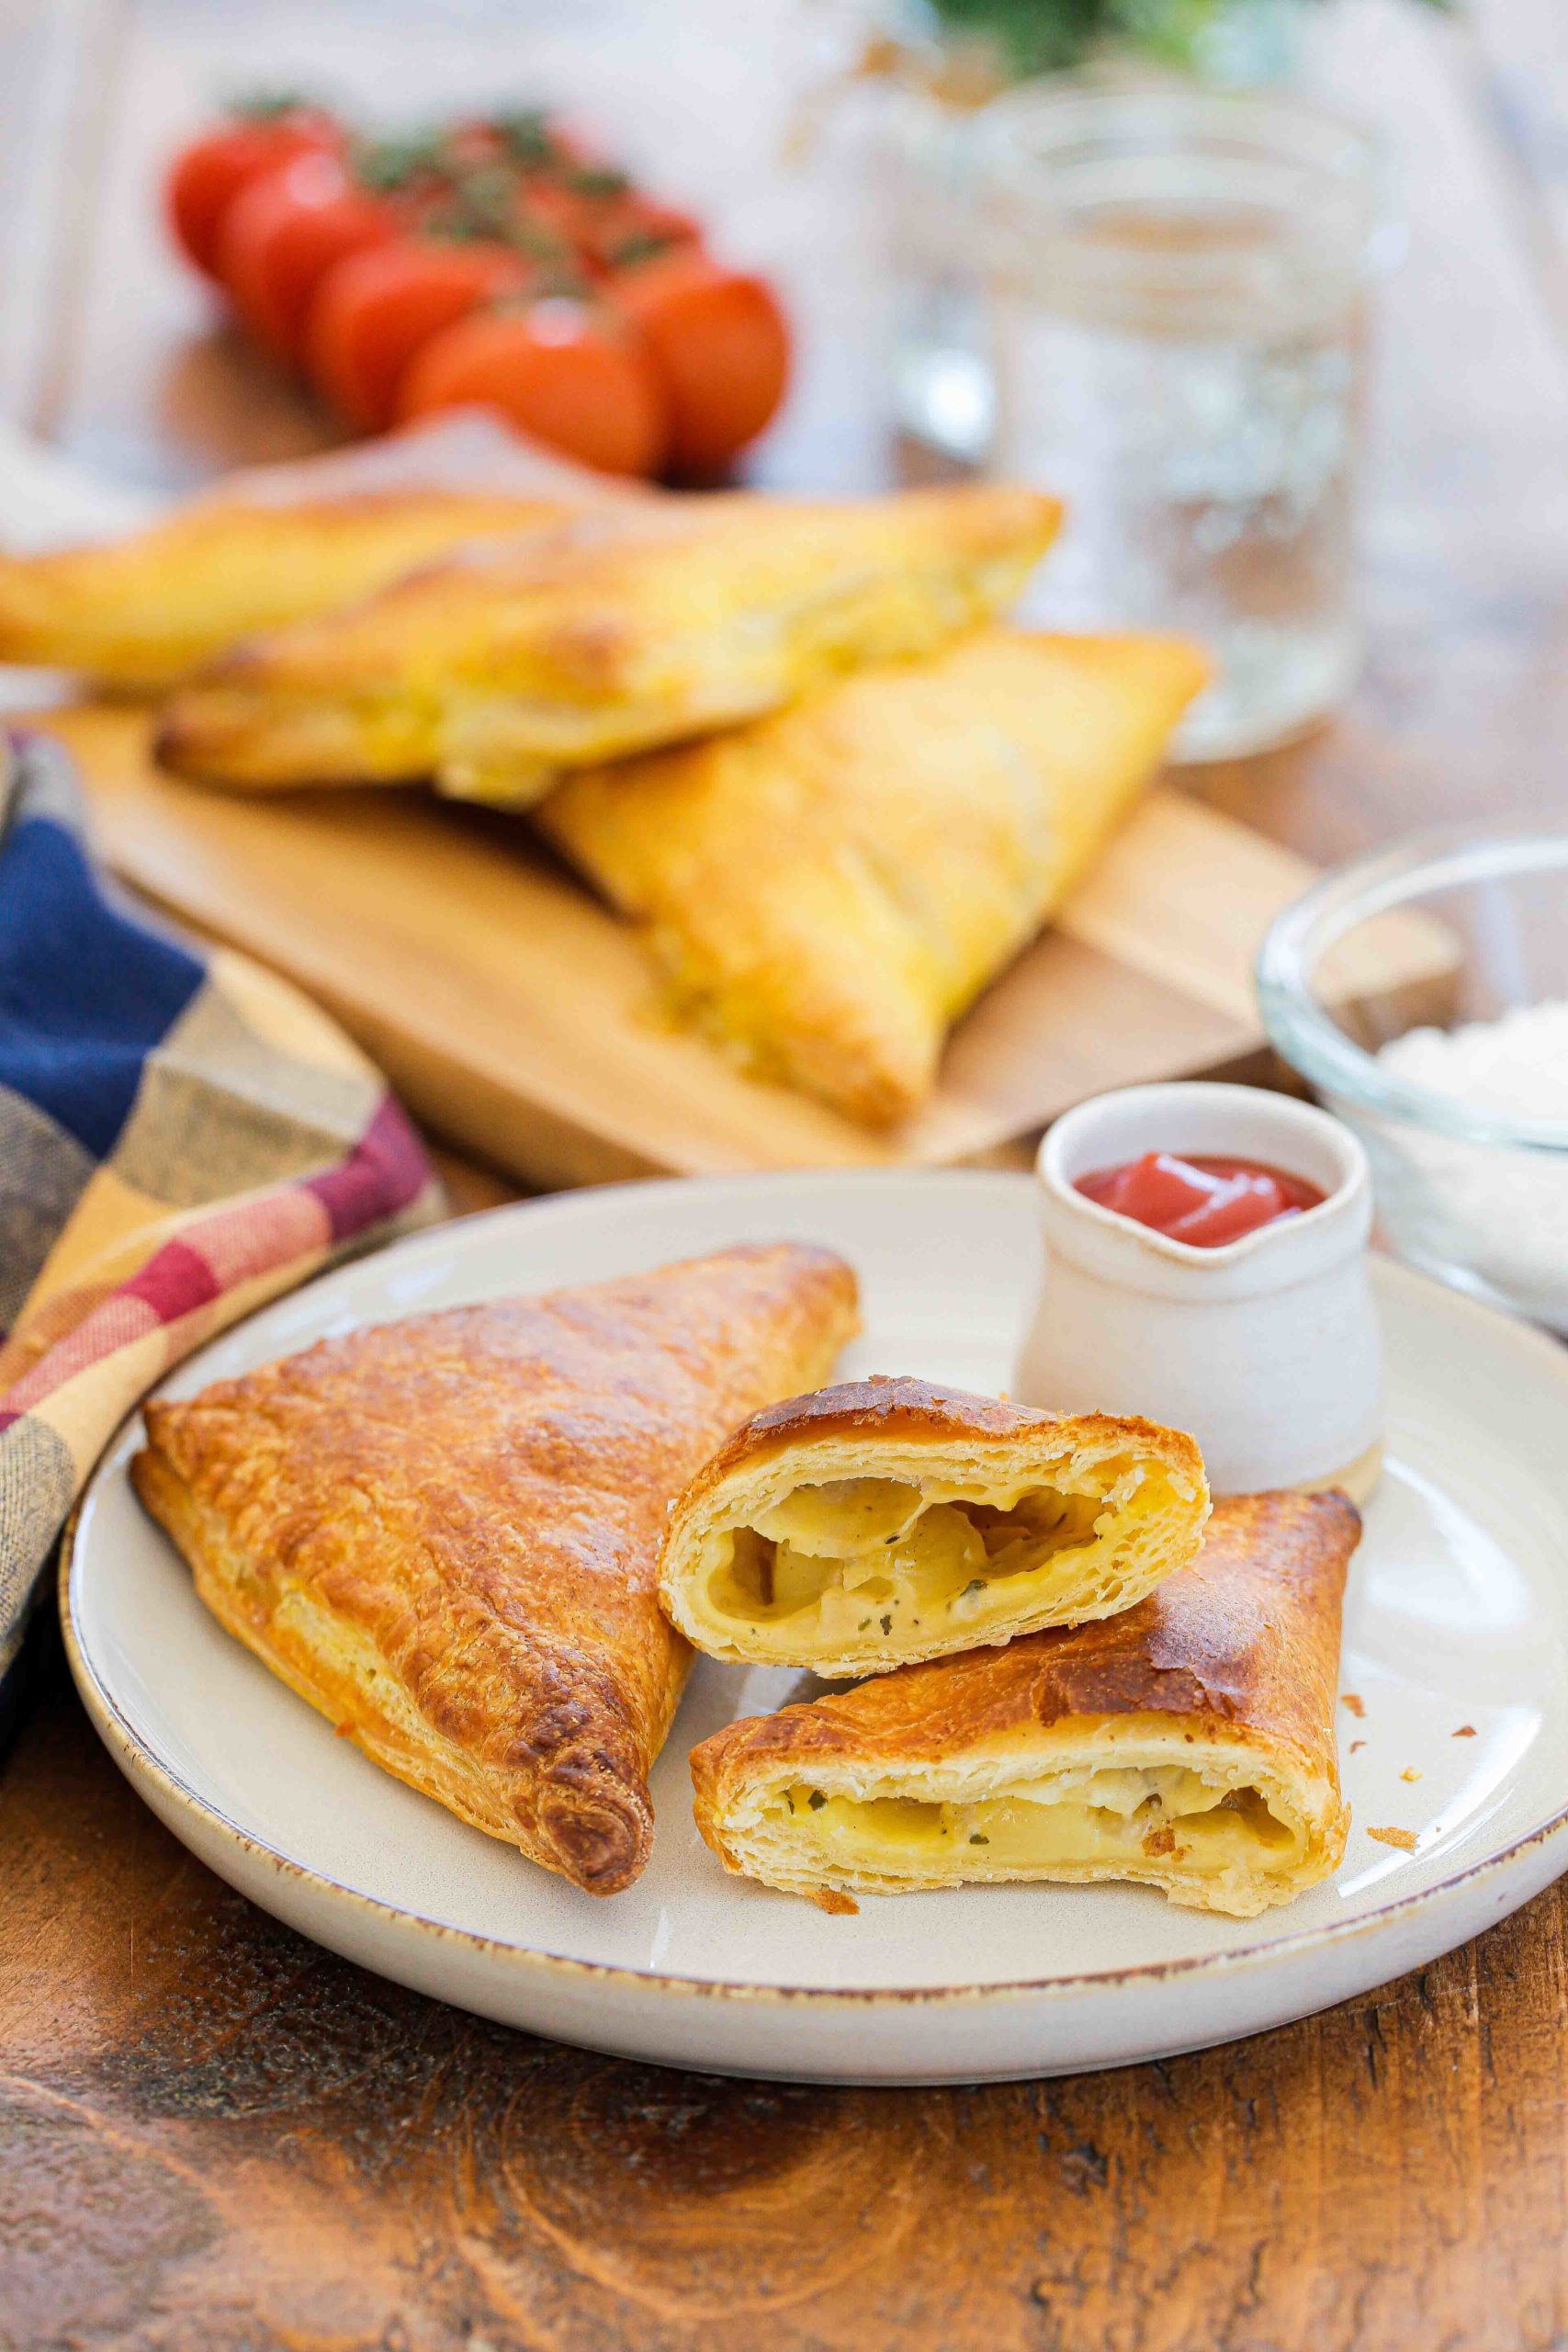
(1455, 1077)
(940, 365)
(1177, 284)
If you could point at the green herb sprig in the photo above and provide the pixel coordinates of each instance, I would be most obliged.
(1044, 35)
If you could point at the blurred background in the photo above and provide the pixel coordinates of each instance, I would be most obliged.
(836, 151)
(1273, 293)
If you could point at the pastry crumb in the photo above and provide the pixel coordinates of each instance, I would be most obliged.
(1405, 1838)
(1466, 1731)
(1353, 1700)
(1410, 1773)
(1355, 1743)
(833, 1898)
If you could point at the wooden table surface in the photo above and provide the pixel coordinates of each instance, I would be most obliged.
(213, 2135)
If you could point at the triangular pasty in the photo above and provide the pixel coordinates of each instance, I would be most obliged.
(442, 1531)
(142, 611)
(829, 889)
(494, 673)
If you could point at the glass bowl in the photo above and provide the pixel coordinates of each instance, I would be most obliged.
(1468, 1132)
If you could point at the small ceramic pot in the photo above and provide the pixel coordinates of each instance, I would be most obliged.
(1267, 1350)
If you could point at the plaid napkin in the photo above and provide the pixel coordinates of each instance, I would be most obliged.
(182, 1136)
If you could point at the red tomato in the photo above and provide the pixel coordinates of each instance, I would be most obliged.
(550, 210)
(720, 343)
(559, 371)
(374, 311)
(603, 219)
(636, 229)
(205, 177)
(282, 234)
(528, 141)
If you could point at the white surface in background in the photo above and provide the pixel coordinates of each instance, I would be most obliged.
(47, 500)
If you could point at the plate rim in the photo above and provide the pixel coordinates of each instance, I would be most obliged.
(141, 1764)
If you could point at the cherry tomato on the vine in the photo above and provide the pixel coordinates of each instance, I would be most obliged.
(206, 176)
(558, 370)
(282, 234)
(374, 312)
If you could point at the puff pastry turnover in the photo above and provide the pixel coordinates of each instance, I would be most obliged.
(1187, 1744)
(888, 1520)
(494, 673)
(827, 890)
(140, 612)
(442, 1531)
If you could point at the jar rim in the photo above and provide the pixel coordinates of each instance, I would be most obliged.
(1230, 1103)
(1307, 1035)
(1039, 145)
(1276, 121)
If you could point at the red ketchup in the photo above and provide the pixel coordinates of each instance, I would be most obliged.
(1202, 1201)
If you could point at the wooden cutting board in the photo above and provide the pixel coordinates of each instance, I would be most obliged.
(520, 1020)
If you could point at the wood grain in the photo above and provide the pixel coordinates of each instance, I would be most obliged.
(213, 2133)
(521, 1018)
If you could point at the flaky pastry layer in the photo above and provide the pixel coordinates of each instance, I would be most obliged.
(143, 611)
(1187, 1744)
(885, 1521)
(827, 890)
(494, 673)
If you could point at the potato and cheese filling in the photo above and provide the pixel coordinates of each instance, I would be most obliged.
(861, 1556)
(1129, 1821)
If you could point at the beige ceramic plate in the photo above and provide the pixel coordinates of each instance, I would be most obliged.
(1455, 1617)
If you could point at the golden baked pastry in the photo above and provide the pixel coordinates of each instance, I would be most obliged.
(140, 612)
(1187, 1744)
(829, 889)
(887, 1521)
(494, 673)
(442, 1531)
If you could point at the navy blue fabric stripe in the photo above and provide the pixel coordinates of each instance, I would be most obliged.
(85, 989)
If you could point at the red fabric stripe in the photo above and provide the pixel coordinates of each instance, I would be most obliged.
(244, 1238)
(175, 1279)
(283, 1227)
(385, 1171)
(119, 1323)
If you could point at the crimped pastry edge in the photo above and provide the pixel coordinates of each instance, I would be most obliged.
(622, 1814)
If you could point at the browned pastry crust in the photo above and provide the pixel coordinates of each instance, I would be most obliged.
(1230, 1666)
(140, 612)
(497, 671)
(915, 824)
(442, 1532)
(882, 1522)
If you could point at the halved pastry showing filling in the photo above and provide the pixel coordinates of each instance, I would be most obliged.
(888, 1520)
(1187, 1744)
